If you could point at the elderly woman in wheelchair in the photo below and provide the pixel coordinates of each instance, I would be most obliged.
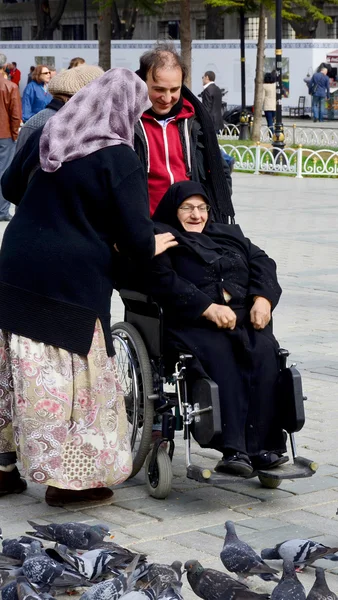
(206, 309)
(217, 291)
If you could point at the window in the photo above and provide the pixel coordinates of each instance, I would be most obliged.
(332, 28)
(168, 29)
(95, 31)
(34, 30)
(251, 28)
(200, 29)
(288, 33)
(72, 32)
(10, 34)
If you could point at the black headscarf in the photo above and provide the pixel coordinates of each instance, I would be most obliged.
(216, 237)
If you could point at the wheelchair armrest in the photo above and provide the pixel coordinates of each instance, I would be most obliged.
(133, 295)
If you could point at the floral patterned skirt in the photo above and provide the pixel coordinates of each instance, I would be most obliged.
(64, 414)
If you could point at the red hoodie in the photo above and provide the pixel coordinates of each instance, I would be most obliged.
(165, 160)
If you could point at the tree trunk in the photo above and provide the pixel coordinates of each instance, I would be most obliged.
(305, 30)
(214, 25)
(258, 103)
(46, 24)
(185, 36)
(104, 34)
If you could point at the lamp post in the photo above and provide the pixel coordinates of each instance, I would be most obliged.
(244, 119)
(278, 137)
(84, 19)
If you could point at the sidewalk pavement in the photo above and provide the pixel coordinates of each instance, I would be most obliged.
(295, 221)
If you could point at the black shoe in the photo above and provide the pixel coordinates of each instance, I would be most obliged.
(268, 460)
(6, 218)
(235, 464)
(315, 120)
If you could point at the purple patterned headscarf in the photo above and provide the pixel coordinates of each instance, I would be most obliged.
(102, 114)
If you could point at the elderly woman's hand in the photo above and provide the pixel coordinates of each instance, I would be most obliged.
(164, 241)
(260, 314)
(223, 316)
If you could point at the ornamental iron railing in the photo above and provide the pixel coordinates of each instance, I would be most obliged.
(299, 162)
(294, 135)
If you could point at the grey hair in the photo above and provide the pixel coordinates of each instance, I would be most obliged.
(3, 60)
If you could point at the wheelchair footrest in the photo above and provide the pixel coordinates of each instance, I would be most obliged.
(301, 467)
(203, 475)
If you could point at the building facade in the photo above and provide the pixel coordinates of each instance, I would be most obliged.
(18, 22)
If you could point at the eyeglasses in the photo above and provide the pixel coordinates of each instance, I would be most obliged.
(45, 73)
(190, 208)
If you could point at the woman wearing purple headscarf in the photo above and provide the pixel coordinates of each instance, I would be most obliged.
(61, 408)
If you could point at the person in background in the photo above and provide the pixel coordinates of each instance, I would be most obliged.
(52, 71)
(62, 87)
(36, 95)
(76, 62)
(212, 99)
(269, 99)
(15, 74)
(319, 88)
(29, 78)
(175, 139)
(10, 118)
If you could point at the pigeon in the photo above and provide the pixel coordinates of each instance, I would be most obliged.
(238, 557)
(26, 591)
(78, 536)
(39, 568)
(9, 592)
(173, 592)
(91, 564)
(289, 587)
(165, 575)
(301, 552)
(17, 547)
(320, 590)
(210, 584)
(112, 589)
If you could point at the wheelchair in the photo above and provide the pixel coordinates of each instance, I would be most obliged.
(138, 343)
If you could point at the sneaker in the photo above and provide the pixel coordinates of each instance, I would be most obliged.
(268, 460)
(235, 464)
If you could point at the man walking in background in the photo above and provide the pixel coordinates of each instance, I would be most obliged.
(212, 99)
(319, 88)
(15, 74)
(10, 118)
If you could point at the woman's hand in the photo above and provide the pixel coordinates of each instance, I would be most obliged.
(164, 241)
(223, 316)
(260, 314)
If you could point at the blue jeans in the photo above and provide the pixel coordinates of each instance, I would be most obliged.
(270, 115)
(318, 105)
(7, 148)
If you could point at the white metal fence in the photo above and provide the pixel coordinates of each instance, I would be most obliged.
(294, 135)
(298, 162)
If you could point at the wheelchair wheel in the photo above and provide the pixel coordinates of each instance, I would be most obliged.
(269, 482)
(158, 482)
(135, 377)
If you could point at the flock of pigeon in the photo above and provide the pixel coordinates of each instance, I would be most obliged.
(77, 559)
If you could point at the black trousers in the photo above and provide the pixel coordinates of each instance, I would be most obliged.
(245, 365)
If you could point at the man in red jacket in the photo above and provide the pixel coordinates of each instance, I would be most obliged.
(15, 74)
(175, 139)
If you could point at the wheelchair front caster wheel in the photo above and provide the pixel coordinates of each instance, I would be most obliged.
(159, 479)
(269, 482)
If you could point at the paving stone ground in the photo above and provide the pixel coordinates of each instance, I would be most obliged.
(295, 221)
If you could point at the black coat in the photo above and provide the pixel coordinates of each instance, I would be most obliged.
(56, 269)
(212, 101)
(243, 362)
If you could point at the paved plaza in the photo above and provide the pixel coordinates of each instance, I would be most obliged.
(296, 222)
